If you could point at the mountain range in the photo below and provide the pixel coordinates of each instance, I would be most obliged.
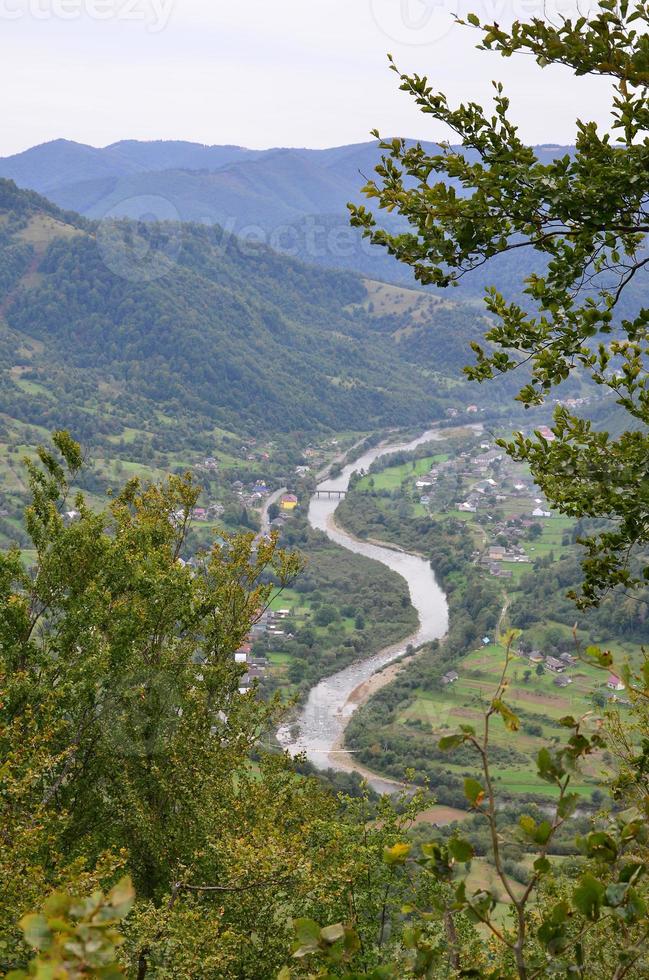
(291, 199)
(109, 326)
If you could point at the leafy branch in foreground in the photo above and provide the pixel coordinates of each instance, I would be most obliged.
(77, 937)
(594, 926)
(585, 215)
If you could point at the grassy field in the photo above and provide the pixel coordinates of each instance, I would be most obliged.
(536, 699)
(394, 476)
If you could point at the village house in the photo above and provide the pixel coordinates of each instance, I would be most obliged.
(562, 681)
(614, 683)
(555, 665)
(288, 501)
(450, 678)
(498, 572)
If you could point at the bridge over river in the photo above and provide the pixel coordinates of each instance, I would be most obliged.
(329, 493)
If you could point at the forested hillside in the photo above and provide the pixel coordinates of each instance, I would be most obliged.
(295, 199)
(105, 326)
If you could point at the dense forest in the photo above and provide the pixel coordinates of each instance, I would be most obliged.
(106, 326)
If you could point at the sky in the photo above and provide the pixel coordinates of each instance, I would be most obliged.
(262, 73)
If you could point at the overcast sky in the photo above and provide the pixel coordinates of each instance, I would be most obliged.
(261, 72)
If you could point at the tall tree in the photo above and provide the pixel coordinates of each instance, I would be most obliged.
(127, 749)
(124, 740)
(586, 215)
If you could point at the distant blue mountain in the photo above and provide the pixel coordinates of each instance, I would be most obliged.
(292, 199)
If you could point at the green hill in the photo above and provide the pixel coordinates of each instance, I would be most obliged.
(106, 326)
(295, 199)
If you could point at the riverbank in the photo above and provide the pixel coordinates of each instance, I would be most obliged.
(330, 704)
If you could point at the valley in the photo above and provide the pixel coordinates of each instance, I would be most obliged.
(247, 406)
(505, 562)
(324, 491)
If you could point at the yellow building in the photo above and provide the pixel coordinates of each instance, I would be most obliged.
(288, 502)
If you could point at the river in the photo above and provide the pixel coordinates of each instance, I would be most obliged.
(322, 720)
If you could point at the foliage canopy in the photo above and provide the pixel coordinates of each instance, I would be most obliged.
(585, 216)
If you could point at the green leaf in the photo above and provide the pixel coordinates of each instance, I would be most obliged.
(460, 849)
(616, 894)
(512, 722)
(396, 854)
(632, 871)
(549, 768)
(568, 722)
(450, 742)
(528, 824)
(57, 904)
(122, 897)
(352, 942)
(467, 729)
(552, 932)
(599, 845)
(333, 934)
(308, 936)
(601, 657)
(473, 791)
(542, 832)
(567, 805)
(588, 897)
(36, 931)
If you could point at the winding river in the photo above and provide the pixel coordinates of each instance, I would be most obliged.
(322, 720)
